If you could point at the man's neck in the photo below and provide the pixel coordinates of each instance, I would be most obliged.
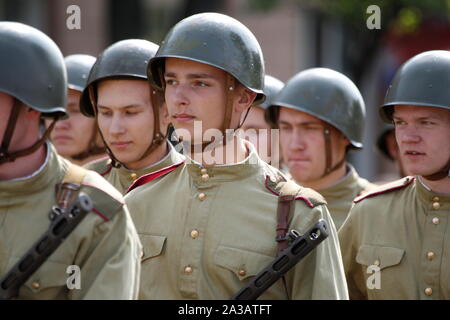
(328, 180)
(439, 186)
(234, 151)
(155, 156)
(23, 166)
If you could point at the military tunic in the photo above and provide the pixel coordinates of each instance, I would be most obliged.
(340, 196)
(121, 178)
(207, 230)
(403, 229)
(105, 245)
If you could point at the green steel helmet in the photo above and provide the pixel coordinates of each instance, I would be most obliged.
(329, 96)
(32, 69)
(78, 67)
(217, 40)
(272, 86)
(423, 80)
(123, 59)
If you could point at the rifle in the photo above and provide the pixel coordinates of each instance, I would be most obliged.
(300, 246)
(72, 207)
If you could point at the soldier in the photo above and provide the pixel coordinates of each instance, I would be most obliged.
(320, 114)
(118, 96)
(257, 128)
(104, 246)
(77, 138)
(388, 147)
(207, 229)
(395, 240)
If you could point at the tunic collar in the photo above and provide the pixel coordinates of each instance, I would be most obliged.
(230, 172)
(431, 200)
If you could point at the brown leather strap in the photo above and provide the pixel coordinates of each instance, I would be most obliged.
(441, 174)
(157, 100)
(329, 153)
(17, 106)
(6, 156)
(284, 211)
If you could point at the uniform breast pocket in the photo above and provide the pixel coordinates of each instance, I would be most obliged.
(242, 263)
(381, 267)
(152, 246)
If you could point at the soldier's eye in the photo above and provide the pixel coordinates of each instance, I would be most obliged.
(170, 82)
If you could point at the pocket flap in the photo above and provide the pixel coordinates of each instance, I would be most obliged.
(241, 262)
(152, 246)
(380, 256)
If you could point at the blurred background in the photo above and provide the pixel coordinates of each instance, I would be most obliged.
(294, 35)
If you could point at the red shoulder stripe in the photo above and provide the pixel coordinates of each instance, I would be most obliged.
(306, 200)
(152, 176)
(107, 170)
(375, 193)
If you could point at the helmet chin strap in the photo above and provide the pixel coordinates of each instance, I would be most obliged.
(444, 172)
(328, 153)
(6, 156)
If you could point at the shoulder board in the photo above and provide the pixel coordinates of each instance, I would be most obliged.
(153, 176)
(280, 187)
(385, 188)
(102, 166)
(105, 204)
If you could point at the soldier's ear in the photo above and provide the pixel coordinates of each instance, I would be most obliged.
(245, 98)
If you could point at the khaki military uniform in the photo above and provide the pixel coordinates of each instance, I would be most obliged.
(104, 245)
(207, 231)
(403, 229)
(340, 196)
(121, 178)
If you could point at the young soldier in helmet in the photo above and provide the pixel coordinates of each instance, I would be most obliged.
(76, 138)
(257, 129)
(400, 231)
(320, 114)
(130, 117)
(208, 229)
(104, 246)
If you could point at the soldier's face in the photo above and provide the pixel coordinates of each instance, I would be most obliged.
(72, 136)
(423, 137)
(125, 118)
(257, 131)
(6, 103)
(303, 145)
(196, 92)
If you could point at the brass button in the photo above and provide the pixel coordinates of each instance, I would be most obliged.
(205, 177)
(377, 263)
(242, 272)
(430, 255)
(436, 205)
(35, 285)
(203, 171)
(435, 199)
(428, 291)
(201, 196)
(133, 176)
(435, 220)
(194, 234)
(188, 270)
